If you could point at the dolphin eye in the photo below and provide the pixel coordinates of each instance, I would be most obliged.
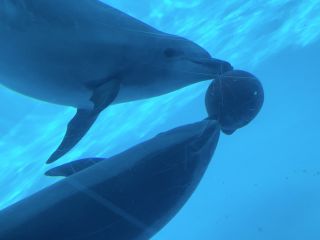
(171, 52)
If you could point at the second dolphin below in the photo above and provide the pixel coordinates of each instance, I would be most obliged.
(132, 195)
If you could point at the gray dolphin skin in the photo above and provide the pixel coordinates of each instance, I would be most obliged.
(130, 196)
(88, 55)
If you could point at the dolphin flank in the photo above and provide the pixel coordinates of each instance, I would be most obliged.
(88, 55)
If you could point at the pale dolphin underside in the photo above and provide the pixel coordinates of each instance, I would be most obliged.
(130, 196)
(89, 55)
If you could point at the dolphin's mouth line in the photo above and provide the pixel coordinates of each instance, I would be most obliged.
(211, 76)
(204, 61)
(211, 63)
(215, 64)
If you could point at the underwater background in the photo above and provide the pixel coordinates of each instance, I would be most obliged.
(264, 180)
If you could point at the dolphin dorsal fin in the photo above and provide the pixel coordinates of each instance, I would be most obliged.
(71, 168)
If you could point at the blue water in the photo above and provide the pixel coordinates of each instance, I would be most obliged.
(264, 181)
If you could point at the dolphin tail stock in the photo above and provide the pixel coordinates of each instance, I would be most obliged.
(103, 95)
(71, 168)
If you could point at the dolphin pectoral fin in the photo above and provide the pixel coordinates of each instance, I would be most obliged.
(71, 168)
(77, 128)
(102, 97)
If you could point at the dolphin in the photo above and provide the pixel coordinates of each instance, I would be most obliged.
(130, 196)
(88, 55)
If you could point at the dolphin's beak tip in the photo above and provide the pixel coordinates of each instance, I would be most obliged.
(226, 67)
(221, 66)
(228, 132)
